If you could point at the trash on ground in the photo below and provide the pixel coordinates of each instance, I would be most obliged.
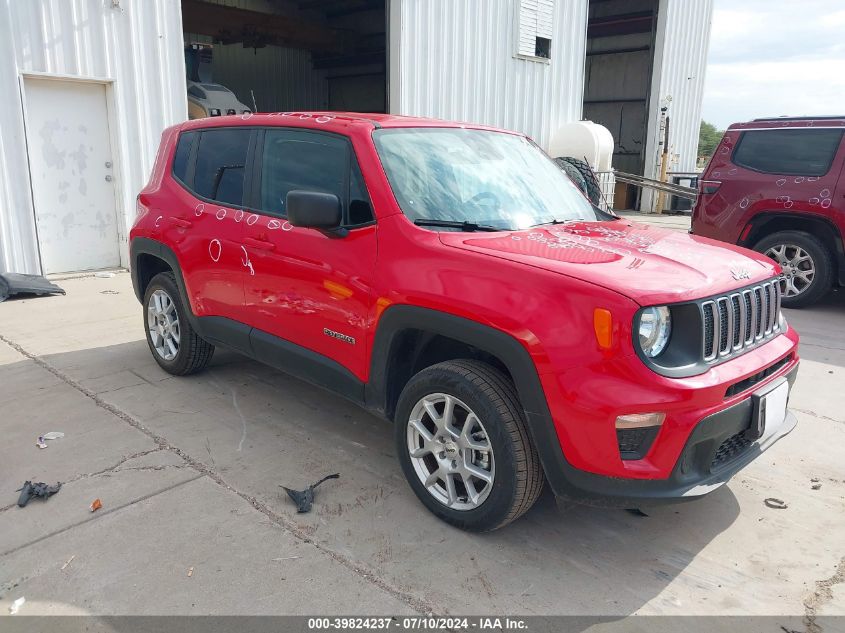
(38, 489)
(636, 512)
(53, 435)
(104, 274)
(68, 562)
(777, 504)
(96, 504)
(190, 571)
(816, 487)
(40, 443)
(16, 605)
(286, 558)
(16, 284)
(109, 292)
(304, 498)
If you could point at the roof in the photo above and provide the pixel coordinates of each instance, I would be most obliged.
(331, 121)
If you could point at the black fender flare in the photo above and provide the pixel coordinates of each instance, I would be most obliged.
(500, 344)
(146, 246)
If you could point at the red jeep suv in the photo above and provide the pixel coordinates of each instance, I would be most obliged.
(453, 280)
(776, 185)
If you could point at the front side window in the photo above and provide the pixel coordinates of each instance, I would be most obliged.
(495, 179)
(309, 161)
(221, 163)
(798, 152)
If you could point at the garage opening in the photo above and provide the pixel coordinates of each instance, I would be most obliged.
(617, 80)
(284, 56)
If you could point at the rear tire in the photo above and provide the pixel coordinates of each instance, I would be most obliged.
(807, 266)
(490, 459)
(174, 344)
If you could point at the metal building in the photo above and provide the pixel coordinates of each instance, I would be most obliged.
(90, 84)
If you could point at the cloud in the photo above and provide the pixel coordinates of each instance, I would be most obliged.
(774, 58)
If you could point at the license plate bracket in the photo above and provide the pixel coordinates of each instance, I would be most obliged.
(769, 409)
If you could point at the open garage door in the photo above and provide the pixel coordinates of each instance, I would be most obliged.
(281, 55)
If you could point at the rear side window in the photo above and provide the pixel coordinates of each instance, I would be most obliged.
(294, 159)
(800, 152)
(183, 153)
(221, 165)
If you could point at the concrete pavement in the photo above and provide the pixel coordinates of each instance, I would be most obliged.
(194, 520)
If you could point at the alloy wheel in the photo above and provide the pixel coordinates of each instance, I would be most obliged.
(799, 269)
(450, 451)
(163, 325)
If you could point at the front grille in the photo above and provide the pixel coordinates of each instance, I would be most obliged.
(731, 448)
(740, 320)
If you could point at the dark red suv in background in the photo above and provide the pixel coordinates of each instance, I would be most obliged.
(776, 185)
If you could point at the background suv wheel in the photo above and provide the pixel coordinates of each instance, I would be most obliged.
(806, 262)
(173, 342)
(464, 446)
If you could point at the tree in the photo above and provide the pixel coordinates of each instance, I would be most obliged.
(708, 139)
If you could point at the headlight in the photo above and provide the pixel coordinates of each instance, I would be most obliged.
(655, 329)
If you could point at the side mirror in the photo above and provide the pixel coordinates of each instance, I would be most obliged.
(313, 210)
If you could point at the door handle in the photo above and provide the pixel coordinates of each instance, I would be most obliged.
(185, 224)
(263, 245)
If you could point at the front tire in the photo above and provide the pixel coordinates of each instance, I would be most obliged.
(464, 447)
(174, 344)
(806, 262)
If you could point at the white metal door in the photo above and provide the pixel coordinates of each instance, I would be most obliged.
(71, 167)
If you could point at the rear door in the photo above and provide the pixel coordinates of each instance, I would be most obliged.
(205, 224)
(307, 287)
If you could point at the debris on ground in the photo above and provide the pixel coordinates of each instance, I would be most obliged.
(96, 504)
(636, 512)
(16, 605)
(304, 498)
(69, 560)
(286, 558)
(816, 487)
(16, 284)
(38, 489)
(777, 504)
(109, 292)
(104, 274)
(190, 571)
(52, 435)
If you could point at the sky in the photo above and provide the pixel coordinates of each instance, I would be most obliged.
(773, 58)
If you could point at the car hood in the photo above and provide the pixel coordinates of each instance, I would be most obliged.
(648, 264)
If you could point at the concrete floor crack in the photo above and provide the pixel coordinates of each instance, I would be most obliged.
(415, 602)
(821, 596)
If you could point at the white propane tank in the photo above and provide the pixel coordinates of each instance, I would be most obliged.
(584, 139)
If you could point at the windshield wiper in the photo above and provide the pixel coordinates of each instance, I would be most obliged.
(570, 221)
(463, 226)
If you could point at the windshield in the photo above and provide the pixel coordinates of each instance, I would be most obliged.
(489, 179)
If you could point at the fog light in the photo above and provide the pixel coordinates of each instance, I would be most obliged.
(639, 420)
(635, 433)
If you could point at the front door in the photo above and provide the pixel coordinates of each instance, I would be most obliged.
(72, 174)
(308, 287)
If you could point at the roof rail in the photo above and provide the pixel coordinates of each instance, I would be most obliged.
(801, 118)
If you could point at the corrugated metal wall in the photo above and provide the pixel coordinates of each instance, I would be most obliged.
(683, 40)
(457, 60)
(136, 43)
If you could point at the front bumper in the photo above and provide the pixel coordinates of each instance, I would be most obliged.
(703, 415)
(697, 472)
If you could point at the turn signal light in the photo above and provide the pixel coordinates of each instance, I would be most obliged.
(603, 325)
